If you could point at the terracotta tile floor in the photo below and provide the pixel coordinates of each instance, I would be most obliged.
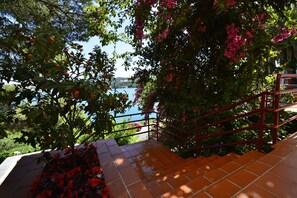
(251, 175)
(149, 169)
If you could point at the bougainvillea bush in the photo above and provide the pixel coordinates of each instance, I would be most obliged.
(61, 179)
(198, 55)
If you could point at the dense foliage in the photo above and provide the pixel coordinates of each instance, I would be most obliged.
(60, 92)
(198, 55)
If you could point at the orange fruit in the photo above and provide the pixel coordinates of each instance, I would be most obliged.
(66, 74)
(51, 39)
(28, 56)
(76, 92)
(92, 96)
(58, 65)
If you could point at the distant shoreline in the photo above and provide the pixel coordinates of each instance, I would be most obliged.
(122, 83)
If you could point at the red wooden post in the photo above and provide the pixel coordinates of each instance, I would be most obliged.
(262, 122)
(276, 108)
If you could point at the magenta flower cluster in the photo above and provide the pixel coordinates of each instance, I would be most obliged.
(284, 33)
(147, 5)
(234, 43)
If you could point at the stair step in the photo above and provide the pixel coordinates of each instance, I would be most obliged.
(171, 175)
(292, 139)
(160, 190)
(211, 175)
(190, 168)
(247, 157)
(213, 157)
(257, 167)
(230, 166)
(232, 155)
(221, 161)
(194, 173)
(215, 174)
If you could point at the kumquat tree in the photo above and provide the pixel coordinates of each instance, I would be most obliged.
(62, 93)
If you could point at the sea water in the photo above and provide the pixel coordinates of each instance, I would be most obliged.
(134, 109)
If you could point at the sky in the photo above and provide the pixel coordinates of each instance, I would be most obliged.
(120, 48)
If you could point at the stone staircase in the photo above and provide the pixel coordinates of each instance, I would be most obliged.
(166, 174)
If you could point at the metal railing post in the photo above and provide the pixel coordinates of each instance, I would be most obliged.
(276, 108)
(157, 126)
(262, 122)
(196, 140)
(148, 125)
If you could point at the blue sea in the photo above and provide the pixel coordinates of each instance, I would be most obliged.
(134, 109)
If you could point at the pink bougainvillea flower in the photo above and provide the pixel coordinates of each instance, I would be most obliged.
(261, 26)
(248, 35)
(283, 35)
(261, 17)
(160, 38)
(139, 33)
(230, 3)
(176, 86)
(234, 43)
(169, 77)
(171, 4)
(165, 33)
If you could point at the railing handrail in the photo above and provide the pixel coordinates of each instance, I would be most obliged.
(234, 105)
(287, 75)
(260, 108)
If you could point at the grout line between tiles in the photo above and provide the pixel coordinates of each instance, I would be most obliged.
(260, 176)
